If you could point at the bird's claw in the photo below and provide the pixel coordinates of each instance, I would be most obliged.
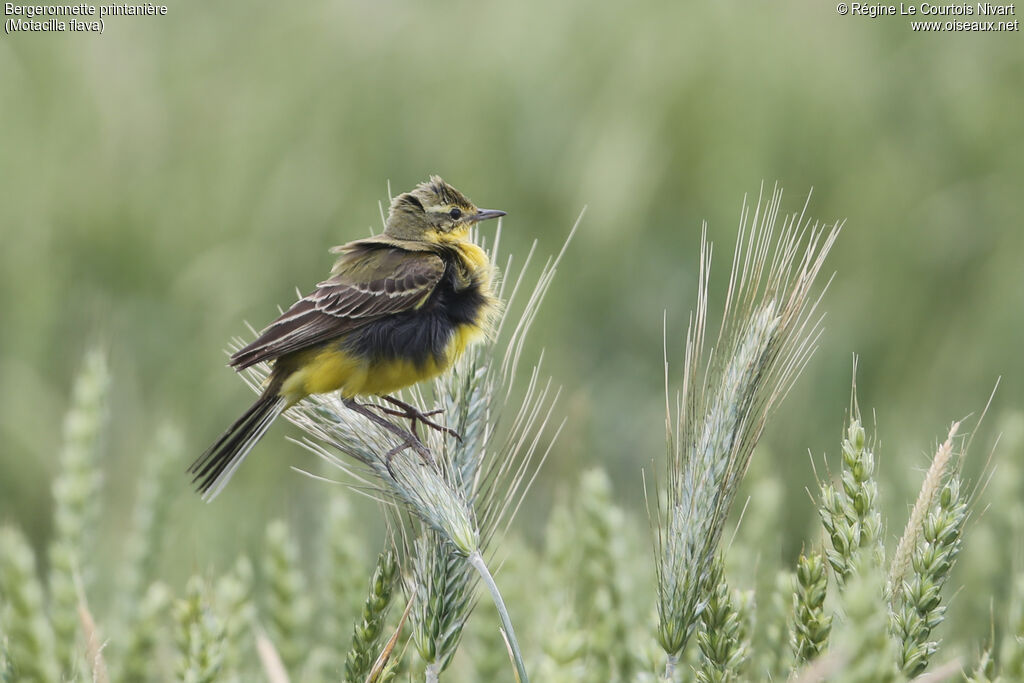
(416, 445)
(414, 415)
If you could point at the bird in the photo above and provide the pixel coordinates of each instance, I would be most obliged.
(398, 308)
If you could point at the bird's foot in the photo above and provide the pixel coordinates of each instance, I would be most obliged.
(408, 439)
(414, 415)
(414, 443)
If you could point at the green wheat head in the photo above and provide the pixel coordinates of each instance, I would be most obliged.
(766, 336)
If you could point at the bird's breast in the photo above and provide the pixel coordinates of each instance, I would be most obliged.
(399, 350)
(433, 335)
(389, 374)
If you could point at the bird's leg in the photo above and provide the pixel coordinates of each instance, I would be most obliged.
(409, 439)
(414, 415)
(401, 447)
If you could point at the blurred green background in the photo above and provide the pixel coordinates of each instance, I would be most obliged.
(167, 181)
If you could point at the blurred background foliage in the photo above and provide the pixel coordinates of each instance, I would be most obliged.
(167, 181)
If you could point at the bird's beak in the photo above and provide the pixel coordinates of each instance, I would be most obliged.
(485, 214)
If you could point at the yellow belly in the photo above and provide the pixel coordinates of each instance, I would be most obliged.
(326, 369)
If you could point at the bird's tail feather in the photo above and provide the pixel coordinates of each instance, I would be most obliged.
(212, 470)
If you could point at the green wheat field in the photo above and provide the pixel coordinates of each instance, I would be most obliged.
(726, 432)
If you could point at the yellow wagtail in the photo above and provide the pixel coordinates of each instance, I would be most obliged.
(399, 308)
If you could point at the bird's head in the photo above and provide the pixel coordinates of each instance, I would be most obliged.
(434, 212)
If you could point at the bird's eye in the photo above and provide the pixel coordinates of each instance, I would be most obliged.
(455, 213)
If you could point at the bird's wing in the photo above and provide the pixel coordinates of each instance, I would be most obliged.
(368, 282)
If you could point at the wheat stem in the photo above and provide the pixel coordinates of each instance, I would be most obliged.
(477, 561)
